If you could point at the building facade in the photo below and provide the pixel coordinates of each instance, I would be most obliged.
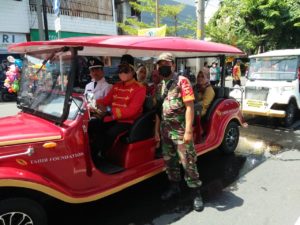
(14, 23)
(77, 18)
(19, 20)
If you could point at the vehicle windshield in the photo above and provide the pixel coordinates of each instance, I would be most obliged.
(273, 68)
(43, 84)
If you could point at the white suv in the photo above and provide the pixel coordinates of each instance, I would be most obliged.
(272, 87)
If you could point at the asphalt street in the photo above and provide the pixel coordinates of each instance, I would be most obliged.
(268, 195)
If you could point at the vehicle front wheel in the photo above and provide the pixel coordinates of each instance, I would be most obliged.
(21, 211)
(231, 138)
(290, 115)
(6, 97)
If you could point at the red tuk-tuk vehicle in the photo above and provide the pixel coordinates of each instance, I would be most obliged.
(45, 148)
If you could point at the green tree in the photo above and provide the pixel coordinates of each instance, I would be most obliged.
(256, 25)
(170, 12)
(291, 32)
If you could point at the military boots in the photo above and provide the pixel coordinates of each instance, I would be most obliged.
(173, 191)
(198, 204)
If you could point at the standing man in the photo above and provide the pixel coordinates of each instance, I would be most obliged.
(218, 74)
(98, 85)
(174, 127)
(213, 74)
(236, 73)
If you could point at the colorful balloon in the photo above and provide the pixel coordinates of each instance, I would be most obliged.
(10, 59)
(19, 63)
(11, 78)
(16, 86)
(7, 84)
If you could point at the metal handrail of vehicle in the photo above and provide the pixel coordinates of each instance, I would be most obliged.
(28, 152)
(242, 90)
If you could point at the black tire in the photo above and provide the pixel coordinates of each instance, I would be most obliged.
(231, 138)
(290, 115)
(6, 97)
(22, 211)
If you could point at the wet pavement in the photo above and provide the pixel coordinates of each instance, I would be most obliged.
(141, 204)
(225, 182)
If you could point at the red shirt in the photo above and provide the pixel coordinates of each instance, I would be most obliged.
(236, 72)
(126, 100)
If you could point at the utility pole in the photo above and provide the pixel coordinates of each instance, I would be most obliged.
(157, 13)
(40, 19)
(200, 11)
(200, 19)
(45, 20)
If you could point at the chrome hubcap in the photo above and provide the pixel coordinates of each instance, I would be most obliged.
(15, 218)
(231, 137)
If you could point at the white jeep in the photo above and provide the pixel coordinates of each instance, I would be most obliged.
(272, 86)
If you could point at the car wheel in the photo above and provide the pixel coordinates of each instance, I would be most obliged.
(231, 138)
(5, 97)
(21, 211)
(290, 115)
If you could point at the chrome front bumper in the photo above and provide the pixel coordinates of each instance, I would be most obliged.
(268, 113)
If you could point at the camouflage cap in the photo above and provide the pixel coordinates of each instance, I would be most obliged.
(165, 56)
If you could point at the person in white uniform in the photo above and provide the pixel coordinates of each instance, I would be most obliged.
(98, 85)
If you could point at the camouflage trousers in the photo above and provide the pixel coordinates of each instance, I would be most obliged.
(174, 150)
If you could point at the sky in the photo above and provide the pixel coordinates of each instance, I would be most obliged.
(211, 8)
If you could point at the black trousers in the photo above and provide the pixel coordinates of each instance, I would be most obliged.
(103, 135)
(213, 82)
(234, 82)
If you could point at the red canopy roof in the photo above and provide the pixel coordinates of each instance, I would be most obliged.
(134, 45)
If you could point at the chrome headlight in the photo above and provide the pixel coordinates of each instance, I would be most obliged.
(286, 88)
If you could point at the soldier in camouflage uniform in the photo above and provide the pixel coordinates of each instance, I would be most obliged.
(174, 127)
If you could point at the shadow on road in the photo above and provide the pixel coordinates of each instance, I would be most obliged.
(141, 204)
(273, 123)
(224, 201)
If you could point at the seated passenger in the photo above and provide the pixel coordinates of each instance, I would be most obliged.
(142, 78)
(126, 58)
(120, 108)
(98, 85)
(154, 81)
(142, 74)
(204, 92)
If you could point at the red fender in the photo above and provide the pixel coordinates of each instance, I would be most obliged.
(225, 112)
(12, 177)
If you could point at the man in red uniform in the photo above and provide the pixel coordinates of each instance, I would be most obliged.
(120, 108)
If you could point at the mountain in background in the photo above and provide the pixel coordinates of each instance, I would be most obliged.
(188, 12)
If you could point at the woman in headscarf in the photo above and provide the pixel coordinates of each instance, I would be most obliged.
(205, 92)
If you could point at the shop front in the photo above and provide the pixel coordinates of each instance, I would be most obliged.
(34, 34)
(7, 38)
